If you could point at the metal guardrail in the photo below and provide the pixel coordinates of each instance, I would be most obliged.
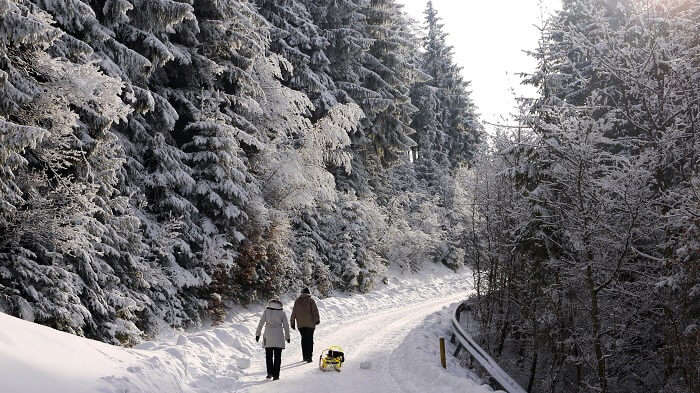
(465, 341)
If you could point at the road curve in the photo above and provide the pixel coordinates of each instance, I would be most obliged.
(372, 337)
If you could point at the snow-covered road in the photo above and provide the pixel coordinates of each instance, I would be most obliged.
(374, 337)
(395, 327)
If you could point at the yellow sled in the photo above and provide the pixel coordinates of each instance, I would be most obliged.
(332, 358)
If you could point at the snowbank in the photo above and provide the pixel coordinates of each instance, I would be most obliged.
(420, 353)
(38, 359)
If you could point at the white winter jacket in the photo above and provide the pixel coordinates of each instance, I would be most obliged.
(274, 319)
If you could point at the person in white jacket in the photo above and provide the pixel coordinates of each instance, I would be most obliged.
(274, 319)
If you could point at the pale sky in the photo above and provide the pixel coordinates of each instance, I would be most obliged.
(488, 37)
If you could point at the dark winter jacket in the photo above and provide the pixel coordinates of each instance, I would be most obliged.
(305, 312)
(275, 320)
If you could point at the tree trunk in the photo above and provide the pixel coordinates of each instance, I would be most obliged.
(502, 339)
(533, 371)
(595, 319)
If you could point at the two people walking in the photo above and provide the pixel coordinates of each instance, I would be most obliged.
(304, 316)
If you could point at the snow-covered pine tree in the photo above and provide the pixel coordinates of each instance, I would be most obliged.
(390, 75)
(70, 257)
(369, 51)
(295, 35)
(446, 124)
(134, 47)
(294, 179)
(348, 45)
(316, 245)
(216, 96)
(344, 27)
(152, 46)
(340, 242)
(312, 247)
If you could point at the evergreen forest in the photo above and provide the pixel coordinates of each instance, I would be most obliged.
(163, 160)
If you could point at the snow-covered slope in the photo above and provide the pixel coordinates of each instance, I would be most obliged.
(37, 359)
(395, 327)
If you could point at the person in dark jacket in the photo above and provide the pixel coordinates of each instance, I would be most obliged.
(305, 316)
(274, 319)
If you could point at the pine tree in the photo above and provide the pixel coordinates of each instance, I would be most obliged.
(152, 46)
(71, 237)
(296, 36)
(217, 98)
(295, 183)
(391, 76)
(446, 123)
(370, 51)
(345, 236)
(129, 40)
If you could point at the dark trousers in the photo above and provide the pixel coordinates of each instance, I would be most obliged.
(307, 342)
(273, 358)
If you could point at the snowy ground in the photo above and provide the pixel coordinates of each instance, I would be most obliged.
(396, 328)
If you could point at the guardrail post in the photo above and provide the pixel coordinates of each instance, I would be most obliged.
(443, 360)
